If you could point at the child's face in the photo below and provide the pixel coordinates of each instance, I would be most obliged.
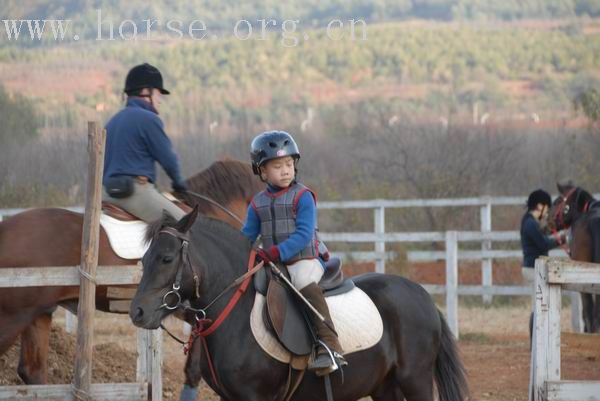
(279, 172)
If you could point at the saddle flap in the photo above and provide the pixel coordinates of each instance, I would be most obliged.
(287, 319)
(333, 276)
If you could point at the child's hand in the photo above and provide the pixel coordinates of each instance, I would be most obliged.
(270, 255)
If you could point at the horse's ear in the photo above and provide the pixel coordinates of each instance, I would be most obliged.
(187, 221)
(565, 185)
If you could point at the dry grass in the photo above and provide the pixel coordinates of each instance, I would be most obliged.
(489, 328)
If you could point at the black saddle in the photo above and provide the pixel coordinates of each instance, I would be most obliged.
(286, 315)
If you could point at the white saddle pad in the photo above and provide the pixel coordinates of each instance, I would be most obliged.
(126, 237)
(355, 317)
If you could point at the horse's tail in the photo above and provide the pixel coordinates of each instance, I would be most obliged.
(450, 375)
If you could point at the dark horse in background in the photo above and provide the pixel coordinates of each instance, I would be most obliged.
(416, 350)
(52, 237)
(577, 210)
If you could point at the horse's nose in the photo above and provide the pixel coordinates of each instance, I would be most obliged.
(136, 314)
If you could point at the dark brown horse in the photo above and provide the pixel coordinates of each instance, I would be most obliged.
(416, 350)
(52, 237)
(577, 210)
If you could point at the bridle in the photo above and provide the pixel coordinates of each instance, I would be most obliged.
(563, 209)
(199, 330)
(185, 261)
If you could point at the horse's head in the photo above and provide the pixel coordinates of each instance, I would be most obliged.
(568, 206)
(169, 275)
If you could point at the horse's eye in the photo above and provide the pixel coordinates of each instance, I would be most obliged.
(167, 259)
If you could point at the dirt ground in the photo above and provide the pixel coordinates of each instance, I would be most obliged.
(493, 342)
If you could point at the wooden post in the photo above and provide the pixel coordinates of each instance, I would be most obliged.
(156, 377)
(486, 263)
(187, 329)
(452, 281)
(380, 245)
(70, 322)
(576, 316)
(547, 331)
(149, 360)
(89, 261)
(143, 370)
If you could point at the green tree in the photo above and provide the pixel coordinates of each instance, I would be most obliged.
(589, 103)
(20, 121)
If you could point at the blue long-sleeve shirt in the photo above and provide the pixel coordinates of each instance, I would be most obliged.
(533, 240)
(306, 222)
(135, 139)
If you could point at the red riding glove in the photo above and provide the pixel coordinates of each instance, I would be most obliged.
(270, 255)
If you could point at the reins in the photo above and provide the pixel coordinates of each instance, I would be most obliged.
(217, 204)
(200, 329)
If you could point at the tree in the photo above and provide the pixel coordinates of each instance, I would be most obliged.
(20, 121)
(589, 102)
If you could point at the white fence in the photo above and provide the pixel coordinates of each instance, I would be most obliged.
(379, 237)
(545, 378)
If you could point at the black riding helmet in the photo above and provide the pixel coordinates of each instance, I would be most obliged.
(272, 145)
(538, 196)
(144, 76)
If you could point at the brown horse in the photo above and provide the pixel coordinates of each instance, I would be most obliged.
(577, 210)
(52, 237)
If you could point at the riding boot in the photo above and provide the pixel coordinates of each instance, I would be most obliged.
(323, 363)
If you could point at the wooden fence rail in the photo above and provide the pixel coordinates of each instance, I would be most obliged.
(545, 379)
(87, 276)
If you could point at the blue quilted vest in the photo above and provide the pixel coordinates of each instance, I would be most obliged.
(277, 214)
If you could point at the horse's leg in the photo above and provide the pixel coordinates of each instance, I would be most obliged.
(33, 361)
(394, 394)
(390, 391)
(418, 386)
(9, 333)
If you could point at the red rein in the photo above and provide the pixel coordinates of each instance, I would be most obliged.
(199, 328)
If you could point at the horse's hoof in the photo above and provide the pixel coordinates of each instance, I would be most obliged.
(188, 393)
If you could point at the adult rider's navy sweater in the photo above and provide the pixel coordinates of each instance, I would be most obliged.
(135, 139)
(533, 240)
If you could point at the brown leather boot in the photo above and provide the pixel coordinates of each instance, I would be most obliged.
(323, 363)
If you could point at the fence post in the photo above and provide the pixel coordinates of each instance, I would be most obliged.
(187, 329)
(452, 281)
(89, 261)
(70, 322)
(156, 351)
(546, 357)
(149, 360)
(576, 316)
(380, 244)
(486, 263)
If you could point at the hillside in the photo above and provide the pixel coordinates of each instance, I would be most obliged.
(421, 68)
(224, 12)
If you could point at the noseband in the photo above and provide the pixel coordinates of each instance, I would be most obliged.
(185, 262)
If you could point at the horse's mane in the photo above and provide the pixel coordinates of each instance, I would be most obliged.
(209, 224)
(223, 181)
(583, 197)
